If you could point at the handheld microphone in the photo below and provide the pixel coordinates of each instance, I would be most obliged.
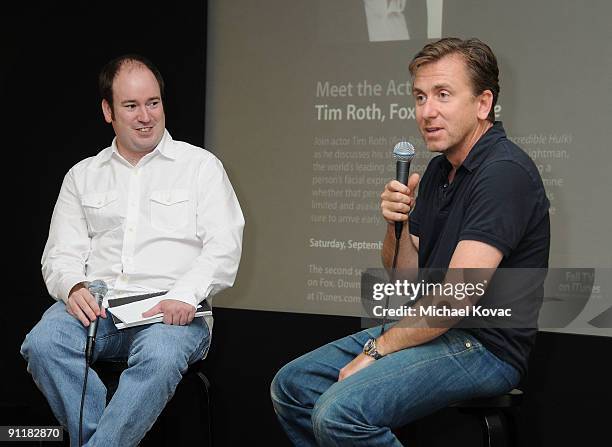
(98, 289)
(403, 152)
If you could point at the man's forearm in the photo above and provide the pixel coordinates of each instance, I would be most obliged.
(408, 254)
(398, 338)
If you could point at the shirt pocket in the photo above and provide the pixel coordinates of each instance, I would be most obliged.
(169, 209)
(102, 210)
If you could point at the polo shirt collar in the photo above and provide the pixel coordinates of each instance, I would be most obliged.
(481, 149)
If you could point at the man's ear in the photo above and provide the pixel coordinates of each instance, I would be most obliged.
(485, 102)
(107, 111)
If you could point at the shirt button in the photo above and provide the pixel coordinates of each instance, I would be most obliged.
(468, 344)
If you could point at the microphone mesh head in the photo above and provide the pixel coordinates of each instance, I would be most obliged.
(403, 151)
(98, 287)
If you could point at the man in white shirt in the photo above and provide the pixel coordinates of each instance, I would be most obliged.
(146, 215)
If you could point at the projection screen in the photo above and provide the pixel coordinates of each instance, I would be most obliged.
(305, 100)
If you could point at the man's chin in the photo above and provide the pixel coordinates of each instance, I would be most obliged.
(146, 146)
(435, 148)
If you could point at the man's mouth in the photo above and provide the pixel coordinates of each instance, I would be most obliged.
(432, 130)
(144, 129)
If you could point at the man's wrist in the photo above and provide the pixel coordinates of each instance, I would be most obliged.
(370, 348)
(180, 300)
(182, 294)
(77, 286)
(380, 346)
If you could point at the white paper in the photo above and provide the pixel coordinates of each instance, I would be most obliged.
(132, 312)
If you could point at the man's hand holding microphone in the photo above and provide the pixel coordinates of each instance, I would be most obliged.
(397, 200)
(83, 306)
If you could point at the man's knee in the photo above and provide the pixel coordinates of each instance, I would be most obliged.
(333, 416)
(283, 386)
(42, 342)
(56, 330)
(33, 346)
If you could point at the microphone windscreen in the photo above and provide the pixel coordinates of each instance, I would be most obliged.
(98, 287)
(403, 151)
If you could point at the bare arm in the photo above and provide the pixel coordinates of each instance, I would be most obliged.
(396, 202)
(467, 254)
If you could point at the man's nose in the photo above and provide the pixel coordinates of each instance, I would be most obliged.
(429, 109)
(143, 114)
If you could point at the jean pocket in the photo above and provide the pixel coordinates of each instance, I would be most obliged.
(169, 209)
(102, 210)
(458, 341)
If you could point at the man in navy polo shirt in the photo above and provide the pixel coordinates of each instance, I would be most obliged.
(481, 205)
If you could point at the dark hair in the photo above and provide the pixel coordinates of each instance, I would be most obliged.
(479, 60)
(111, 69)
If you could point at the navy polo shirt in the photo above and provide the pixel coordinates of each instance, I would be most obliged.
(496, 197)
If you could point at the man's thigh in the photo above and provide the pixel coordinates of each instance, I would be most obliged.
(57, 329)
(411, 383)
(307, 377)
(187, 343)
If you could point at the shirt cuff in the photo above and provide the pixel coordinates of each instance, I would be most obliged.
(184, 295)
(67, 283)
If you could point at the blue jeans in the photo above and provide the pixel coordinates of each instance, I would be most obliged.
(157, 355)
(315, 409)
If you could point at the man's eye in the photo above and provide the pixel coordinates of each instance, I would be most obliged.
(153, 104)
(420, 99)
(130, 106)
(444, 95)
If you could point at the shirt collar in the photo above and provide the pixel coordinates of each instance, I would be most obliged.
(164, 148)
(481, 149)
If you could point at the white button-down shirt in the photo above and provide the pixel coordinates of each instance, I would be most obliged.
(172, 222)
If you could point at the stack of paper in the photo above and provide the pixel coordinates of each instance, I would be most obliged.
(127, 311)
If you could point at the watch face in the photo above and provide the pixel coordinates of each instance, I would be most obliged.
(369, 347)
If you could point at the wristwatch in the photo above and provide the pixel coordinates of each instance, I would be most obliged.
(370, 349)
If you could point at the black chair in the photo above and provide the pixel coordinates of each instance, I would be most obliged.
(494, 414)
(109, 372)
